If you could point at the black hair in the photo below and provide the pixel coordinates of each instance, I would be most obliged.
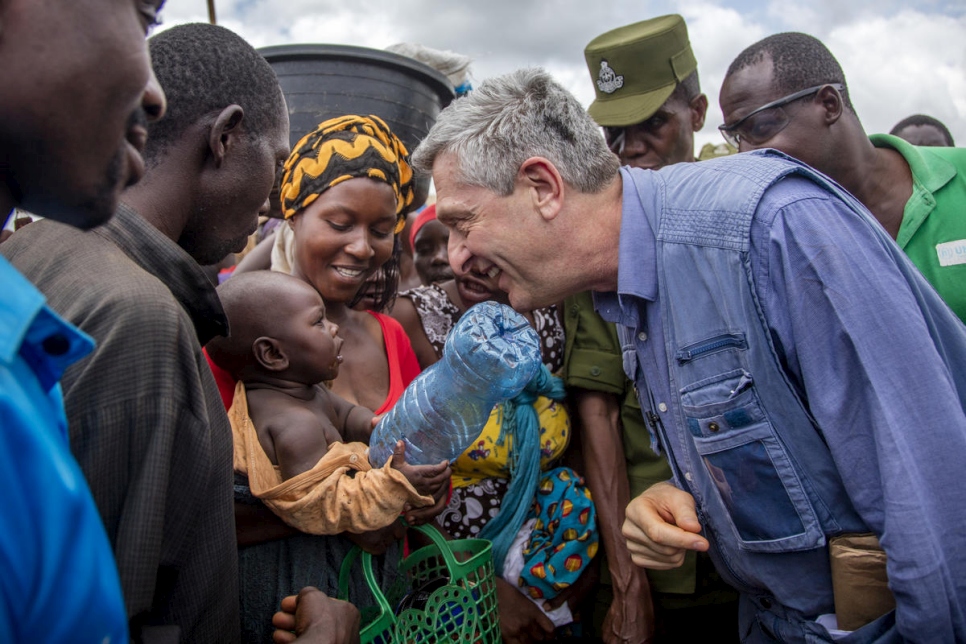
(800, 61)
(204, 68)
(688, 88)
(388, 282)
(922, 119)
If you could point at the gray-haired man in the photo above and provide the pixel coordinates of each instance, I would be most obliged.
(754, 339)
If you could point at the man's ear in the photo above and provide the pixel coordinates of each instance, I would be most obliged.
(832, 103)
(541, 179)
(269, 354)
(224, 133)
(699, 110)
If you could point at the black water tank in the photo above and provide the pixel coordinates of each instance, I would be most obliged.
(323, 81)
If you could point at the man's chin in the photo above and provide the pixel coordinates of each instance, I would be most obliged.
(521, 302)
(85, 215)
(100, 207)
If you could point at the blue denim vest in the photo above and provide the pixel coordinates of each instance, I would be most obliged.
(767, 491)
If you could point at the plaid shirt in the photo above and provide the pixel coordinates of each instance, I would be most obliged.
(146, 422)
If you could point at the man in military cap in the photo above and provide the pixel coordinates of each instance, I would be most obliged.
(649, 102)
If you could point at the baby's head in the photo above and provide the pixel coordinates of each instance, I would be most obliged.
(278, 328)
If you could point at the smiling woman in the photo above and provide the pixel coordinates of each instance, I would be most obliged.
(345, 191)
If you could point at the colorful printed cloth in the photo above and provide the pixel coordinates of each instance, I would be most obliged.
(345, 148)
(564, 538)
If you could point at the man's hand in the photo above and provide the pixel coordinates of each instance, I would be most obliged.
(661, 526)
(311, 617)
(521, 622)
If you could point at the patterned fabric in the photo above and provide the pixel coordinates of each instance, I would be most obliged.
(521, 422)
(470, 507)
(551, 332)
(564, 537)
(438, 314)
(345, 148)
(489, 457)
(481, 474)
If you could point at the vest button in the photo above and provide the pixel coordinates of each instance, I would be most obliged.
(765, 603)
(595, 371)
(642, 336)
(713, 427)
(56, 345)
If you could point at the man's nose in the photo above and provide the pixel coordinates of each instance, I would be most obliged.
(460, 257)
(635, 142)
(153, 100)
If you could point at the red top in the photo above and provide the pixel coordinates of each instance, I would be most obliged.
(224, 380)
(403, 365)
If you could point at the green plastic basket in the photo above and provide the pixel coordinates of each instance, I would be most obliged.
(462, 610)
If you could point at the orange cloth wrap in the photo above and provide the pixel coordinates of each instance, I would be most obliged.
(324, 499)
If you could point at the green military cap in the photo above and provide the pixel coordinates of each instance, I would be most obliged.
(636, 68)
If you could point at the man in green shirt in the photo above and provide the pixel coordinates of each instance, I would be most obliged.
(788, 92)
(649, 102)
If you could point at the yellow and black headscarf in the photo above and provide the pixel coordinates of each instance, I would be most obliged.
(345, 148)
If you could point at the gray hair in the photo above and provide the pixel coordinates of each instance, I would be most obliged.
(510, 118)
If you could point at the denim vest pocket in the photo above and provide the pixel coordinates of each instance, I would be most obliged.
(748, 465)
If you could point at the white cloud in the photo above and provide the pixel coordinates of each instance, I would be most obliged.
(896, 65)
(900, 56)
(718, 34)
(905, 64)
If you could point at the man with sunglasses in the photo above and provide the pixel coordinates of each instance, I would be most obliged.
(649, 103)
(789, 93)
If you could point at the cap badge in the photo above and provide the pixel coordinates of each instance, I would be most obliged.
(607, 81)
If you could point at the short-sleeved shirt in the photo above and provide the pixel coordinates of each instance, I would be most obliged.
(933, 229)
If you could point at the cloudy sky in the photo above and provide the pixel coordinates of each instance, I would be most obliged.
(900, 57)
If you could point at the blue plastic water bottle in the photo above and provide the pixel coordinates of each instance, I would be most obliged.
(490, 356)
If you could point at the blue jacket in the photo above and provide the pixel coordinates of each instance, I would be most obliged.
(58, 580)
(781, 444)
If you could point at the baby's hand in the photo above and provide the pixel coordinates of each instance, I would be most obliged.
(427, 479)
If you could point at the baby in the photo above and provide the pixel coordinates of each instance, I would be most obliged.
(301, 446)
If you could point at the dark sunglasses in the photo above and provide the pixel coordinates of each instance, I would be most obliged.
(768, 120)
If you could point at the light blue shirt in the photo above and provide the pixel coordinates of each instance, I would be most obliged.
(855, 345)
(58, 579)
